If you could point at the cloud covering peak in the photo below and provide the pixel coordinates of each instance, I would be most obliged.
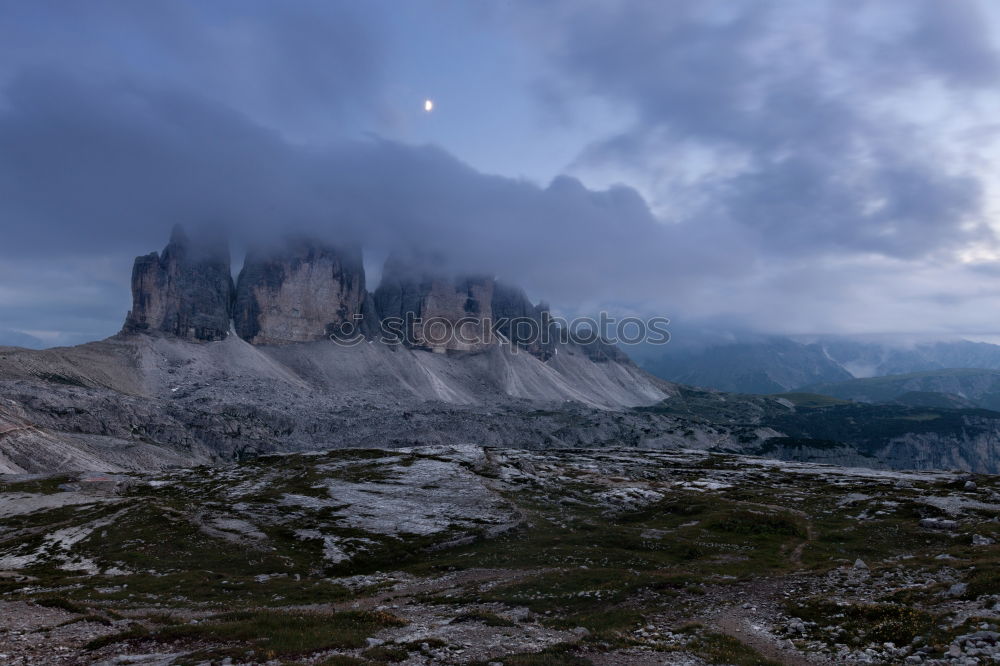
(797, 167)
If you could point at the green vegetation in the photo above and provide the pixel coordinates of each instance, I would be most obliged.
(274, 634)
(934, 388)
(484, 617)
(612, 549)
(865, 623)
(822, 419)
(557, 655)
(60, 603)
(719, 648)
(386, 654)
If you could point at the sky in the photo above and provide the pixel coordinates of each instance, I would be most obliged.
(767, 165)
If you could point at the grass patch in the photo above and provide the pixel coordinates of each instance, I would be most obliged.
(721, 649)
(90, 617)
(216, 588)
(985, 579)
(271, 633)
(135, 631)
(61, 603)
(484, 617)
(868, 623)
(755, 523)
(560, 654)
(343, 660)
(604, 625)
(386, 654)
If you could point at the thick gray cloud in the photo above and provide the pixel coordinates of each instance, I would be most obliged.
(107, 170)
(794, 108)
(812, 166)
(293, 65)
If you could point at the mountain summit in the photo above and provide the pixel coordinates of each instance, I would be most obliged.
(186, 291)
(306, 290)
(316, 362)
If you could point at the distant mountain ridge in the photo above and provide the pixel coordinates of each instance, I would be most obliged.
(777, 364)
(962, 387)
(774, 366)
(208, 369)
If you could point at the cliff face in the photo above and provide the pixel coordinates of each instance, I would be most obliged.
(186, 291)
(308, 291)
(434, 312)
(304, 292)
(524, 324)
(463, 314)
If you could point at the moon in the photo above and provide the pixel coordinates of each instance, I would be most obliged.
(428, 105)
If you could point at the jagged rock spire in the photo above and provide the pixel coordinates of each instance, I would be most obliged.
(433, 307)
(304, 291)
(187, 291)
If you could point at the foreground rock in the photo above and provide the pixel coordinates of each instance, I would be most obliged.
(453, 555)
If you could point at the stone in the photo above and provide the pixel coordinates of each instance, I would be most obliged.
(430, 311)
(302, 292)
(980, 540)
(186, 291)
(957, 590)
(374, 642)
(525, 325)
(970, 485)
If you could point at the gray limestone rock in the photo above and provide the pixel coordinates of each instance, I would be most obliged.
(303, 292)
(426, 310)
(186, 291)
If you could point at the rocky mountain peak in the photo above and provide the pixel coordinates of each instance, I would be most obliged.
(186, 291)
(304, 291)
(460, 314)
(434, 311)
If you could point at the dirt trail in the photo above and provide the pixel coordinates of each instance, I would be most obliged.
(737, 623)
(796, 555)
(750, 621)
(750, 626)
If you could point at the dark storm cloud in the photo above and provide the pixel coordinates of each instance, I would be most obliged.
(109, 169)
(800, 165)
(297, 65)
(800, 97)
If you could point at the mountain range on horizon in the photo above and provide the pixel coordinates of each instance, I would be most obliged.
(777, 364)
(209, 369)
